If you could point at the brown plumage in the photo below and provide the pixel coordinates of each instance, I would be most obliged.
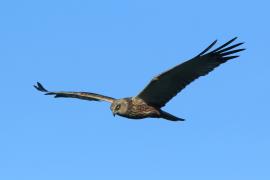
(162, 88)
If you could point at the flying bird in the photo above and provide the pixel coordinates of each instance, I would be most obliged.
(162, 88)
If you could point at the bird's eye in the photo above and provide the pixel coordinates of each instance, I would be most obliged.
(117, 107)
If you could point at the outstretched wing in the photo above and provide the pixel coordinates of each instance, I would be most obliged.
(79, 95)
(165, 86)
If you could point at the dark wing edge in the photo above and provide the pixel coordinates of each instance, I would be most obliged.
(164, 87)
(79, 95)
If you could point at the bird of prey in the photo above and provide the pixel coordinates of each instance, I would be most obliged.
(162, 88)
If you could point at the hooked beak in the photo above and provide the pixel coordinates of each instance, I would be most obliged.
(114, 114)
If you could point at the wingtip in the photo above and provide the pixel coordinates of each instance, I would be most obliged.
(242, 49)
(230, 57)
(208, 48)
(180, 119)
(35, 86)
(39, 87)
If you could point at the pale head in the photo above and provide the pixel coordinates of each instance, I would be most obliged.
(119, 106)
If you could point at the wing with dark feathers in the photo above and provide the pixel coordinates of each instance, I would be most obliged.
(165, 86)
(80, 95)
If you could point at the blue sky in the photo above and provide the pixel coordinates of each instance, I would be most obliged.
(115, 48)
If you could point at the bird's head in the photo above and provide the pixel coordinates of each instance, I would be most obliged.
(119, 107)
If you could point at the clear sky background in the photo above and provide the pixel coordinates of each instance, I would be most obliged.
(115, 48)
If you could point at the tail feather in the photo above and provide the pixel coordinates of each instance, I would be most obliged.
(170, 117)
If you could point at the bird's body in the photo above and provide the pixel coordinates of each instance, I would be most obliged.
(162, 88)
(136, 108)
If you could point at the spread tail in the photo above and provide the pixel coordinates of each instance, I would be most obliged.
(170, 117)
